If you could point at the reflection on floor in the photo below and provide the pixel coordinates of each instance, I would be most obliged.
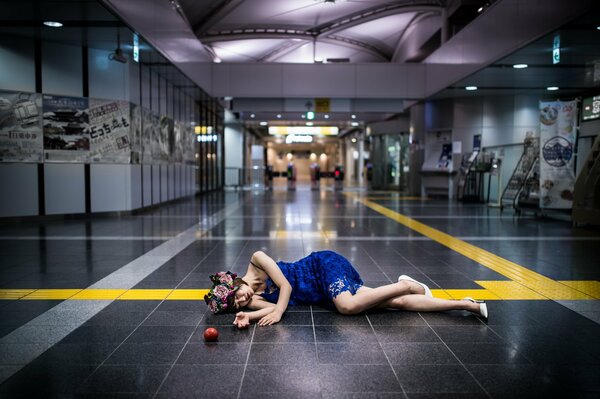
(111, 306)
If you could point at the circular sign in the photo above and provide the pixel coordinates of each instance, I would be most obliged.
(557, 151)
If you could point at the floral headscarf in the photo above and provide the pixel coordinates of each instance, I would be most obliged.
(222, 290)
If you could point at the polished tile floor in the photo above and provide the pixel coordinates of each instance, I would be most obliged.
(136, 329)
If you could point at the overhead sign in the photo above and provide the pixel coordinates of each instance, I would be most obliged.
(136, 48)
(556, 50)
(298, 138)
(303, 130)
(322, 105)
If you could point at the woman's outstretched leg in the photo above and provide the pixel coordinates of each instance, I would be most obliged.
(367, 298)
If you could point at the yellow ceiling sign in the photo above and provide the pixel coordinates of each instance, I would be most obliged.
(303, 130)
(322, 105)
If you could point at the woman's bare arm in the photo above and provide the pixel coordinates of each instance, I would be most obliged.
(268, 265)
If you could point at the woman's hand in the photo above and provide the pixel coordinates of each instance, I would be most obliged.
(269, 319)
(242, 320)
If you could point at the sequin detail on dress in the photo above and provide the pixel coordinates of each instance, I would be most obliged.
(316, 279)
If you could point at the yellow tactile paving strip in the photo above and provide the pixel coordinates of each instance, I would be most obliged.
(524, 284)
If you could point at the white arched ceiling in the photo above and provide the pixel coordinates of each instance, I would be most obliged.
(245, 50)
(386, 30)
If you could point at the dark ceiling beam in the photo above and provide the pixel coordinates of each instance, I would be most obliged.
(216, 15)
(374, 13)
(282, 50)
(281, 33)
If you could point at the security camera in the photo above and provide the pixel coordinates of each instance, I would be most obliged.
(118, 56)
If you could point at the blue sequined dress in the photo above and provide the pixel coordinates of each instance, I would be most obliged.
(316, 279)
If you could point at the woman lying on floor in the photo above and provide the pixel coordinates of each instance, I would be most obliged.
(322, 278)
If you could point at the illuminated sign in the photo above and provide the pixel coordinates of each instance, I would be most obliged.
(556, 50)
(297, 138)
(591, 108)
(304, 130)
(203, 129)
(136, 48)
(207, 138)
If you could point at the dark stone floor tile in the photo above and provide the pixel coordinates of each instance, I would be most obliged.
(436, 379)
(214, 353)
(350, 353)
(337, 319)
(145, 354)
(419, 353)
(281, 334)
(173, 318)
(43, 380)
(109, 379)
(132, 306)
(161, 334)
(296, 319)
(487, 353)
(98, 334)
(520, 381)
(338, 334)
(72, 354)
(282, 353)
(358, 378)
(112, 318)
(184, 305)
(468, 333)
(387, 334)
(395, 318)
(281, 379)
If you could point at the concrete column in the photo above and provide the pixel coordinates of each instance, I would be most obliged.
(361, 158)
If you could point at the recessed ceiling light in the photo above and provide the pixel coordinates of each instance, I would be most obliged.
(480, 9)
(471, 88)
(354, 123)
(353, 116)
(520, 66)
(252, 116)
(598, 27)
(278, 116)
(326, 116)
(309, 123)
(53, 24)
(217, 60)
(552, 88)
(353, 140)
(263, 123)
(318, 59)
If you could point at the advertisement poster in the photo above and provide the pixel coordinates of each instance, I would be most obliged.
(109, 127)
(135, 134)
(66, 136)
(166, 138)
(21, 138)
(150, 137)
(178, 132)
(558, 130)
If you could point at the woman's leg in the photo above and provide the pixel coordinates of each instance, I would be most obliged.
(367, 298)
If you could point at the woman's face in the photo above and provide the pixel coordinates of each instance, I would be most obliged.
(243, 296)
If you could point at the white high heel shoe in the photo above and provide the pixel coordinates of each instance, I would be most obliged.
(427, 290)
(483, 312)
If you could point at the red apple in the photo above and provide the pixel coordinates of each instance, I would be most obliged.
(211, 334)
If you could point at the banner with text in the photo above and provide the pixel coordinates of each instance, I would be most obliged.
(66, 135)
(109, 130)
(21, 138)
(558, 132)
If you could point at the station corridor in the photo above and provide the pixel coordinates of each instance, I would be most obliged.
(111, 306)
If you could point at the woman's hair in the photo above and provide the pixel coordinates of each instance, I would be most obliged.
(221, 297)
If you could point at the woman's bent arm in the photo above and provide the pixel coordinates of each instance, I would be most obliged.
(262, 260)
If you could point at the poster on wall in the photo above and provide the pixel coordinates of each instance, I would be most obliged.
(150, 137)
(558, 130)
(178, 133)
(66, 121)
(109, 130)
(166, 138)
(135, 133)
(21, 138)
